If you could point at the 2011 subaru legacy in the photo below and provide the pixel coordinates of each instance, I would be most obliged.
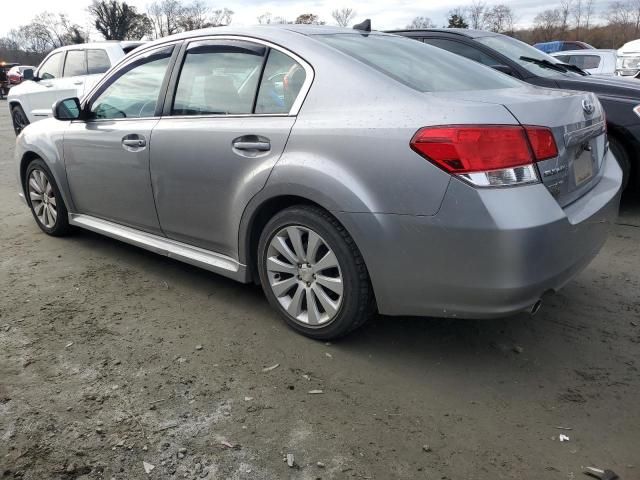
(345, 171)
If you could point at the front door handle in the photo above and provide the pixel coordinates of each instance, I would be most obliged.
(134, 142)
(260, 146)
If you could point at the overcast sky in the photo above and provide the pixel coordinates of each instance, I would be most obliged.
(385, 14)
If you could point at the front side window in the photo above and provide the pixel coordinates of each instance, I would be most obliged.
(135, 91)
(52, 66)
(219, 78)
(281, 83)
(75, 65)
(97, 61)
(418, 65)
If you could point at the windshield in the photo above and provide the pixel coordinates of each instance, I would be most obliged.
(515, 50)
(417, 65)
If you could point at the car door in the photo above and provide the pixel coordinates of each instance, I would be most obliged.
(107, 154)
(234, 103)
(43, 92)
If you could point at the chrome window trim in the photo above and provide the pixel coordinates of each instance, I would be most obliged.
(304, 90)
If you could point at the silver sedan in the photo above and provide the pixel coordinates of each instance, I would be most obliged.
(345, 171)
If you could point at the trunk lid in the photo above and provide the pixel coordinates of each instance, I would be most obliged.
(578, 125)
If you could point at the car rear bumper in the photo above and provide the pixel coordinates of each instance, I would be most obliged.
(487, 252)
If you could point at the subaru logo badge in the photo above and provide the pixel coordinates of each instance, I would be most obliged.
(588, 107)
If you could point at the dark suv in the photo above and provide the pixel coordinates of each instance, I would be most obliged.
(620, 98)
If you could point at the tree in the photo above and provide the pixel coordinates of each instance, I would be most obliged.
(265, 18)
(577, 12)
(420, 22)
(565, 10)
(477, 12)
(309, 19)
(165, 17)
(546, 24)
(194, 16)
(117, 20)
(221, 17)
(499, 19)
(48, 31)
(343, 16)
(457, 18)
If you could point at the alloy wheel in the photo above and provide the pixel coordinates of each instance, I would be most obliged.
(42, 197)
(304, 275)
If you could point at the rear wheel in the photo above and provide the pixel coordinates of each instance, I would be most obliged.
(313, 273)
(19, 118)
(620, 152)
(44, 198)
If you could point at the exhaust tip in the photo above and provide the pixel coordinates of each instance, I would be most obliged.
(536, 307)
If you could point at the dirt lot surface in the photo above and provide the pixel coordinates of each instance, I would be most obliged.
(111, 356)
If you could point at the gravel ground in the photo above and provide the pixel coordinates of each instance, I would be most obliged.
(111, 356)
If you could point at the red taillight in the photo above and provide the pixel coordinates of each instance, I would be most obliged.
(542, 142)
(465, 149)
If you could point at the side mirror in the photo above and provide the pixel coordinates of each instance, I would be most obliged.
(67, 109)
(27, 74)
(503, 68)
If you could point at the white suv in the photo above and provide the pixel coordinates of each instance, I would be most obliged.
(69, 71)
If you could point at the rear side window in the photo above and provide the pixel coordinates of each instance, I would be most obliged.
(98, 61)
(417, 65)
(583, 61)
(463, 49)
(75, 64)
(219, 78)
(281, 83)
(52, 66)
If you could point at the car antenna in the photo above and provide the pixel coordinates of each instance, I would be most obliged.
(364, 26)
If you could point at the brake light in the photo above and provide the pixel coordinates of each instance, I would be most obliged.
(486, 155)
(542, 142)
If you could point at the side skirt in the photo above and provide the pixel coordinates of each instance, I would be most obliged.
(199, 257)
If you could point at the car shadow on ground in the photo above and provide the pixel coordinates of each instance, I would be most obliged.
(394, 336)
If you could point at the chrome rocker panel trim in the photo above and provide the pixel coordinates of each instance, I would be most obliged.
(196, 256)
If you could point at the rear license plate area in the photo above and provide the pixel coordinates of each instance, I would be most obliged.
(583, 164)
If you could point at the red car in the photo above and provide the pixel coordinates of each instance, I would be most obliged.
(15, 76)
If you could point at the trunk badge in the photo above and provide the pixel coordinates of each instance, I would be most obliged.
(588, 107)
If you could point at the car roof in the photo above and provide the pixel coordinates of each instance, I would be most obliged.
(106, 43)
(269, 32)
(465, 32)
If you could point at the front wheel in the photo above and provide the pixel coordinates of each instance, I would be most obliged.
(19, 119)
(45, 201)
(313, 273)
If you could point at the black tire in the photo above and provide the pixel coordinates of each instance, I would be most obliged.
(60, 227)
(620, 152)
(19, 118)
(357, 304)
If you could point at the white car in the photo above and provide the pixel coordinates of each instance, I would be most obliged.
(69, 71)
(629, 59)
(593, 61)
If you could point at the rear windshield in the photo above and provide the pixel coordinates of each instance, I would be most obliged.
(417, 65)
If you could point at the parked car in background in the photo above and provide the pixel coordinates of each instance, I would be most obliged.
(4, 78)
(419, 184)
(629, 59)
(67, 71)
(620, 98)
(561, 45)
(15, 74)
(594, 62)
